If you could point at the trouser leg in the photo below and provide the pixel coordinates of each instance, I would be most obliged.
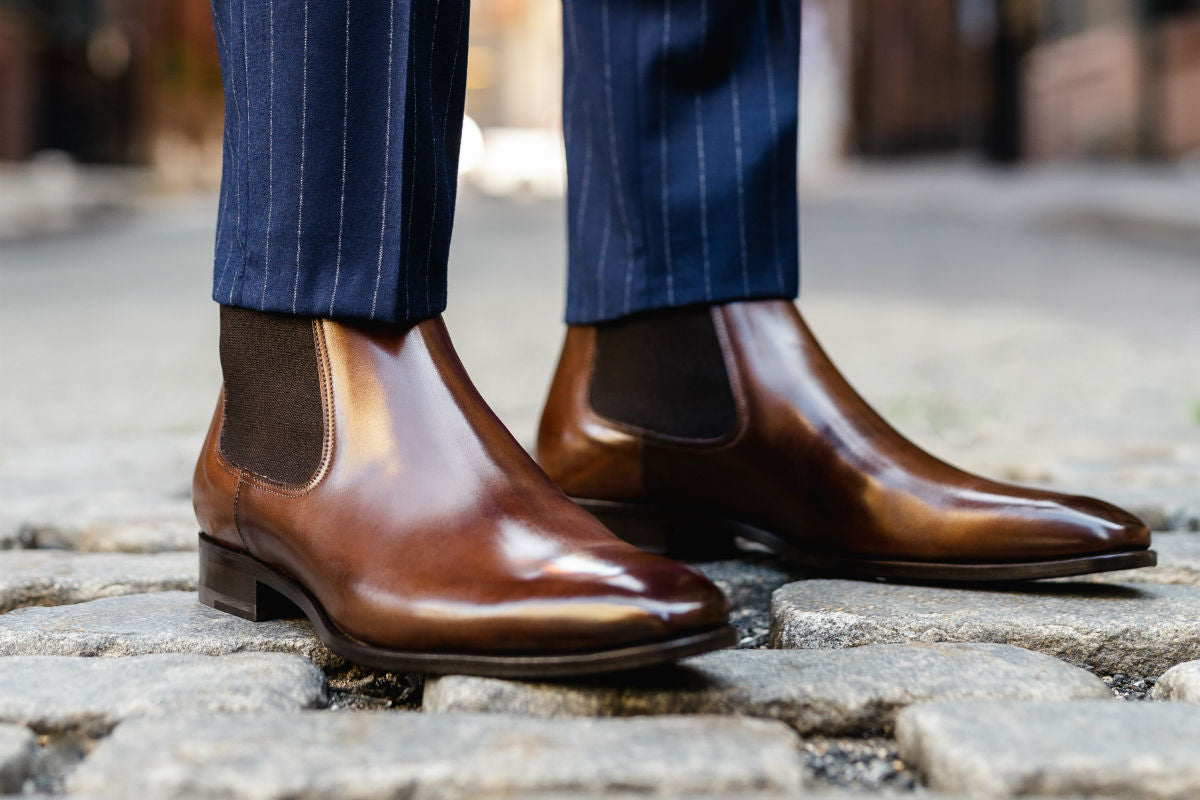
(680, 125)
(342, 126)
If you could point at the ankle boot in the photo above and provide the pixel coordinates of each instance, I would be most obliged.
(686, 429)
(352, 474)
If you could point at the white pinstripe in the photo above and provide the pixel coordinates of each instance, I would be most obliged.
(604, 241)
(303, 126)
(337, 270)
(412, 195)
(270, 155)
(583, 198)
(232, 168)
(387, 152)
(445, 120)
(612, 152)
(223, 270)
(221, 229)
(699, 106)
(774, 135)
(569, 102)
(568, 6)
(737, 150)
(585, 184)
(246, 122)
(662, 146)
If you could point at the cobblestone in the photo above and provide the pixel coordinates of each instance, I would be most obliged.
(49, 578)
(54, 694)
(1134, 629)
(1082, 748)
(1181, 682)
(110, 524)
(140, 624)
(817, 692)
(369, 754)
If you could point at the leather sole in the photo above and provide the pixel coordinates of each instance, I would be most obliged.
(683, 535)
(242, 585)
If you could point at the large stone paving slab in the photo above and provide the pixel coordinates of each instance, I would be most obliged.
(1082, 748)
(17, 751)
(51, 577)
(1135, 629)
(105, 522)
(384, 754)
(1181, 682)
(163, 622)
(54, 694)
(816, 692)
(168, 531)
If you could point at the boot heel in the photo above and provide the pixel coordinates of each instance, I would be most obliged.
(228, 583)
(665, 532)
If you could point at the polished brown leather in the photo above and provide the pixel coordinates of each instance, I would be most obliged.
(428, 528)
(811, 462)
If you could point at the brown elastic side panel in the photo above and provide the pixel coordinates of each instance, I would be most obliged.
(273, 416)
(664, 373)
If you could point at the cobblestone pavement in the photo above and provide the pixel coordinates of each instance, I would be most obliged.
(1039, 327)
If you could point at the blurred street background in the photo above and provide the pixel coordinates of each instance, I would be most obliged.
(1000, 213)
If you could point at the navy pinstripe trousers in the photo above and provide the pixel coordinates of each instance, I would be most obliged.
(342, 127)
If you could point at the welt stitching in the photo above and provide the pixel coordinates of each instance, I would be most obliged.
(237, 527)
(227, 468)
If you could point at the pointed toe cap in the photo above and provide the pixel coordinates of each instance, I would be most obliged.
(690, 600)
(663, 598)
(1066, 526)
(1105, 527)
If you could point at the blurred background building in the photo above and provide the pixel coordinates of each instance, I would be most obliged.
(137, 82)
(1026, 79)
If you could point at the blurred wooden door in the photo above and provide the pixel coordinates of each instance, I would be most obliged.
(917, 84)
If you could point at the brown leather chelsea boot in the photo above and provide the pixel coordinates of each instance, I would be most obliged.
(353, 474)
(689, 428)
